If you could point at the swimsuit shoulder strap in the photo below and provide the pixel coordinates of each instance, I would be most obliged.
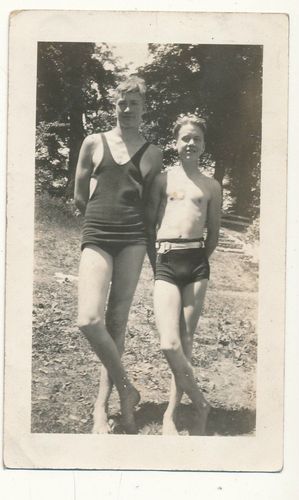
(138, 155)
(106, 149)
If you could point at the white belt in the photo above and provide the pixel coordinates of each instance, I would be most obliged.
(166, 246)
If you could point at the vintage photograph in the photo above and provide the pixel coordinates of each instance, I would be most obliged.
(149, 275)
(105, 130)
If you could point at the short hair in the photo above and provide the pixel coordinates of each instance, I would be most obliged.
(189, 118)
(131, 84)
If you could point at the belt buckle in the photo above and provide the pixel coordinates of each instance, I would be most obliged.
(167, 247)
(163, 247)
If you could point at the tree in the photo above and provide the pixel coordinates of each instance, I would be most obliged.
(73, 81)
(222, 83)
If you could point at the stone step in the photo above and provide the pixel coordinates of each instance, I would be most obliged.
(229, 216)
(238, 225)
(228, 242)
(231, 250)
(223, 237)
(230, 245)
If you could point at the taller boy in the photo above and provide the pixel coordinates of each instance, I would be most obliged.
(114, 172)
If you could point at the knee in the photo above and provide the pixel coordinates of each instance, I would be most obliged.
(115, 325)
(170, 345)
(187, 340)
(88, 324)
(116, 319)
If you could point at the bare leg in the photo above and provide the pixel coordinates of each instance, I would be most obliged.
(176, 394)
(121, 295)
(168, 308)
(100, 414)
(192, 301)
(94, 278)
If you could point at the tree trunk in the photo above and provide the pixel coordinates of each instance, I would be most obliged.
(75, 141)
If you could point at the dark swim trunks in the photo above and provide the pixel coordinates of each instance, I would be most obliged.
(112, 248)
(182, 267)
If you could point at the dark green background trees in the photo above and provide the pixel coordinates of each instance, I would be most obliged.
(73, 81)
(223, 83)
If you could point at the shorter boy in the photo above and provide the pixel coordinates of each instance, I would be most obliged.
(182, 203)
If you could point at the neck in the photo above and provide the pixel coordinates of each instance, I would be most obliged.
(189, 166)
(127, 133)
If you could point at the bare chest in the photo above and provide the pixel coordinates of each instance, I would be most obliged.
(185, 191)
(120, 151)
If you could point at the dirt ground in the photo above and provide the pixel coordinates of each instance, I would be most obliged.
(65, 373)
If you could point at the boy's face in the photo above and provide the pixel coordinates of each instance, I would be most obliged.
(129, 109)
(190, 142)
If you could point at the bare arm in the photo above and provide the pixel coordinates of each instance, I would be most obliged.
(83, 173)
(152, 206)
(213, 218)
(151, 165)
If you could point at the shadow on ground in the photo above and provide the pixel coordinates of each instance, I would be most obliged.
(221, 422)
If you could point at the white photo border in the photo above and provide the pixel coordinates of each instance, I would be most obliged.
(262, 452)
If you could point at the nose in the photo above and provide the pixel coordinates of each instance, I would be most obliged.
(127, 108)
(191, 141)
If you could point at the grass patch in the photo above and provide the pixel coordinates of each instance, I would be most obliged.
(65, 373)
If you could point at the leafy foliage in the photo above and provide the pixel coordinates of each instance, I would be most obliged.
(51, 162)
(222, 83)
(73, 82)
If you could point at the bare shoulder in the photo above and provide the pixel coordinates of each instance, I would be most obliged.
(151, 162)
(153, 154)
(96, 138)
(212, 185)
(154, 151)
(173, 171)
(92, 140)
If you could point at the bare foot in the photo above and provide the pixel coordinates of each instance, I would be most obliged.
(101, 423)
(200, 423)
(127, 404)
(169, 428)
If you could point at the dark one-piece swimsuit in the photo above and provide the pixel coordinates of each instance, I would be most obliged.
(114, 213)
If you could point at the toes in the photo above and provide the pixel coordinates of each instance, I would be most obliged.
(101, 425)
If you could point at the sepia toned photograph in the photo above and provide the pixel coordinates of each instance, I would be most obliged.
(215, 86)
(147, 243)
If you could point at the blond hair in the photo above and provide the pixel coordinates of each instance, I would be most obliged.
(189, 118)
(131, 84)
